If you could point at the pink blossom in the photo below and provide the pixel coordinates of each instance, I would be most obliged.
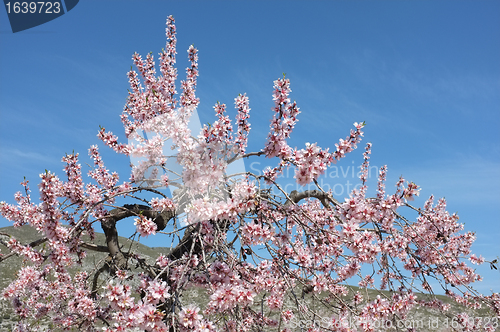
(189, 316)
(145, 226)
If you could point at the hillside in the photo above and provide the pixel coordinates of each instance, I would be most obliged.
(423, 319)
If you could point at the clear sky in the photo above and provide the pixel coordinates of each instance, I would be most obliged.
(424, 75)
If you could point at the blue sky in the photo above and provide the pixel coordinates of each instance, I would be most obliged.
(424, 75)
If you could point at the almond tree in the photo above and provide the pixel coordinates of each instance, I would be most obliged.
(260, 253)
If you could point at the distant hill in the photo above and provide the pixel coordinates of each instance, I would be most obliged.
(27, 234)
(93, 261)
(423, 319)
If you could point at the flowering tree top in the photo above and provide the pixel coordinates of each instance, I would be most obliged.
(261, 255)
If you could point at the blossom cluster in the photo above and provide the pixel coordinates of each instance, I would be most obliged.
(284, 121)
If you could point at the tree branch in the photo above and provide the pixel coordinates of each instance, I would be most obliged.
(129, 210)
(323, 197)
